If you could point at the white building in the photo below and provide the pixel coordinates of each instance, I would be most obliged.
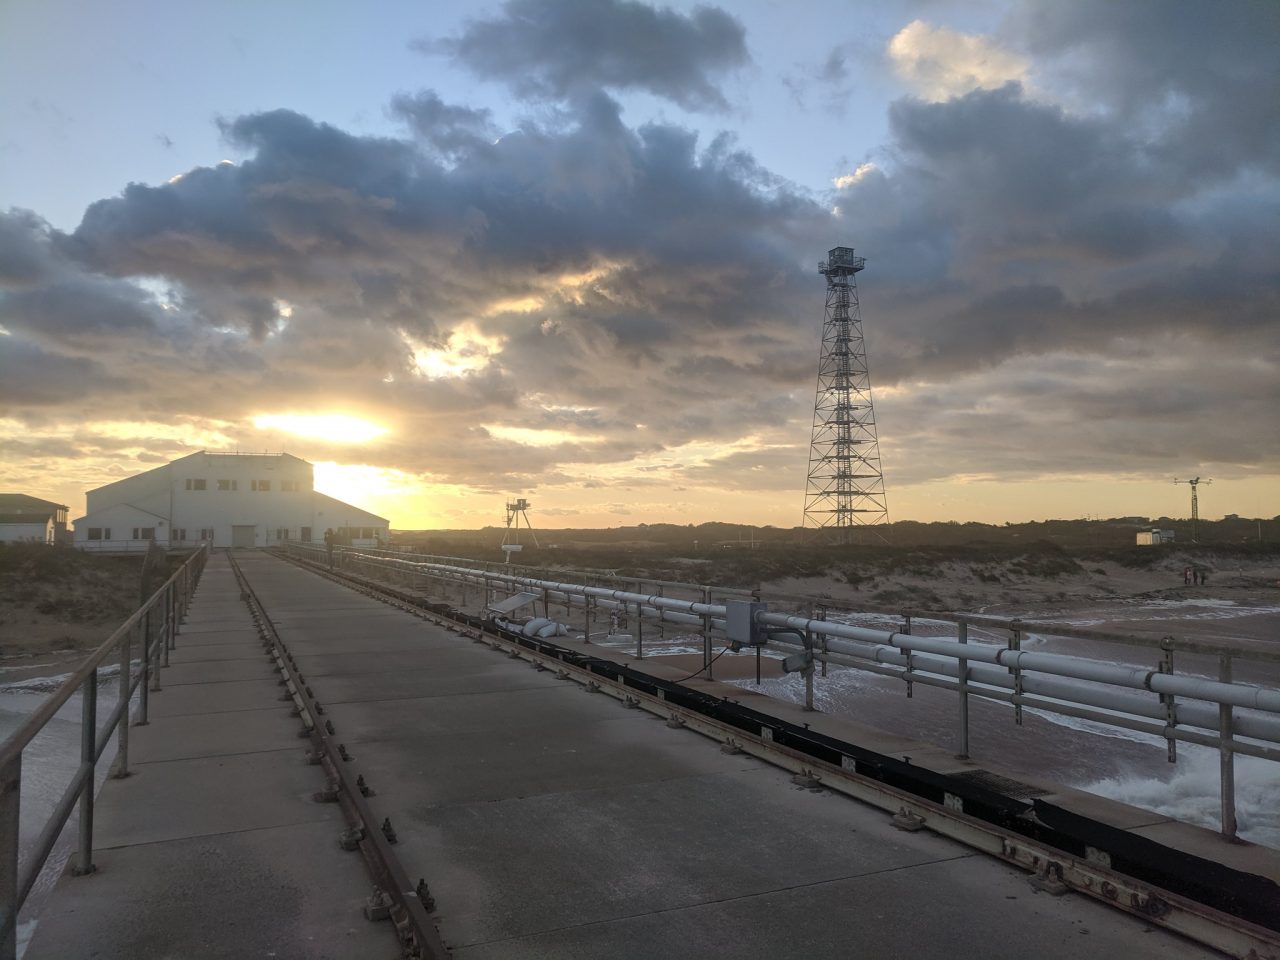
(23, 528)
(228, 499)
(1152, 537)
(27, 519)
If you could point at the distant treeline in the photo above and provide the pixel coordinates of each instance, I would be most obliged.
(697, 540)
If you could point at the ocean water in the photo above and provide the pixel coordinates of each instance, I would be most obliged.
(1089, 755)
(1093, 756)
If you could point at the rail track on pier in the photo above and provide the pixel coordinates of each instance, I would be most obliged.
(393, 897)
(1230, 910)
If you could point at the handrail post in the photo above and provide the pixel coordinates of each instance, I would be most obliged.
(808, 670)
(963, 633)
(906, 628)
(88, 737)
(170, 612)
(821, 614)
(144, 658)
(639, 631)
(163, 640)
(1226, 756)
(1169, 703)
(10, 806)
(706, 633)
(1015, 644)
(126, 669)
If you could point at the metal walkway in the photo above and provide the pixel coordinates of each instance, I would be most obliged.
(548, 822)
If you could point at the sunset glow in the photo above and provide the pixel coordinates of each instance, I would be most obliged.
(337, 427)
(465, 350)
(586, 275)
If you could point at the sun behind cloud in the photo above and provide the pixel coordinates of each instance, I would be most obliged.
(337, 427)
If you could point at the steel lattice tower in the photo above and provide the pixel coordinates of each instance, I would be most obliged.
(845, 489)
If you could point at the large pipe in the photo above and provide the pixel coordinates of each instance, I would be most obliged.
(1079, 668)
(1067, 689)
(887, 647)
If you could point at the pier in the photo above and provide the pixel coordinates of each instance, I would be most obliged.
(324, 773)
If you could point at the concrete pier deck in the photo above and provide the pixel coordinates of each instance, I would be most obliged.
(212, 847)
(548, 821)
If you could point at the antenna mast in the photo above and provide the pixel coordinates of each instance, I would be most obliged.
(1195, 504)
(845, 487)
(511, 539)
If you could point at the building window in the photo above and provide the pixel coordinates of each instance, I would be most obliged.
(180, 534)
(305, 535)
(194, 483)
(289, 486)
(144, 533)
(282, 533)
(226, 485)
(262, 486)
(95, 533)
(206, 533)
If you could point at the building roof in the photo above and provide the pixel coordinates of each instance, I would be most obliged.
(162, 468)
(323, 499)
(263, 455)
(25, 518)
(16, 503)
(117, 506)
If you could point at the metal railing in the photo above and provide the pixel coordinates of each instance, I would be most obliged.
(1231, 717)
(150, 631)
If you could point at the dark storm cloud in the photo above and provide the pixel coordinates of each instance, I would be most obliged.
(1203, 75)
(24, 249)
(562, 48)
(448, 128)
(49, 297)
(1010, 227)
(33, 376)
(291, 279)
(1036, 271)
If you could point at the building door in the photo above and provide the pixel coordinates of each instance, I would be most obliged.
(243, 536)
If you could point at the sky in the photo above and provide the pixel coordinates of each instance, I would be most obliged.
(453, 253)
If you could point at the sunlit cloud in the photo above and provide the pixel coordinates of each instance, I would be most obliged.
(530, 437)
(466, 350)
(564, 287)
(939, 63)
(200, 434)
(849, 179)
(338, 427)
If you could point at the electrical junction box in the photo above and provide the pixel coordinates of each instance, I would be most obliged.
(741, 625)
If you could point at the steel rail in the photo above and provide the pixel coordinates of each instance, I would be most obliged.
(1242, 648)
(1077, 668)
(17, 879)
(925, 668)
(393, 893)
(1070, 686)
(1091, 874)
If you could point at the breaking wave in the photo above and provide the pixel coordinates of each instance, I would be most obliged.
(1191, 793)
